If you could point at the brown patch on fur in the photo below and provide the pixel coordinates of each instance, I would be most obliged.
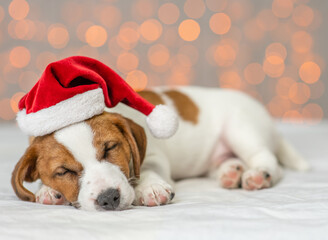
(43, 159)
(30, 139)
(151, 97)
(186, 108)
(25, 170)
(55, 158)
(111, 129)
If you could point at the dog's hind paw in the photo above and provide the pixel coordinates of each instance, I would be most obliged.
(49, 196)
(230, 173)
(256, 179)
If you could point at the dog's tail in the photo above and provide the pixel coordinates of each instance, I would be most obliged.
(289, 157)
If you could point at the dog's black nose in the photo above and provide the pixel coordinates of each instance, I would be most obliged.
(109, 199)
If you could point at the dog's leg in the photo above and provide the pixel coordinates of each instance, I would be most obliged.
(253, 139)
(229, 173)
(49, 196)
(155, 185)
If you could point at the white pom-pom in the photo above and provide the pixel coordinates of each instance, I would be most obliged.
(162, 122)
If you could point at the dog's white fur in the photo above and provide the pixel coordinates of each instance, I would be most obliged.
(228, 121)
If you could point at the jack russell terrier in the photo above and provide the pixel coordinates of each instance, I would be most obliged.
(223, 134)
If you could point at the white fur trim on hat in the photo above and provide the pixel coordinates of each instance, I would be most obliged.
(162, 122)
(75, 109)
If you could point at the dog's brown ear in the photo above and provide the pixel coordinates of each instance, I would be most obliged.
(25, 170)
(136, 137)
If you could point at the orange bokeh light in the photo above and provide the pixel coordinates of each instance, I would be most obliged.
(27, 80)
(301, 42)
(278, 106)
(220, 23)
(137, 80)
(3, 87)
(225, 55)
(253, 73)
(151, 30)
(28, 27)
(15, 100)
(19, 57)
(168, 13)
(6, 112)
(21, 29)
(282, 8)
(310, 72)
(230, 79)
(110, 16)
(18, 9)
(144, 8)
(127, 62)
(283, 86)
(189, 30)
(194, 8)
(58, 36)
(299, 93)
(275, 50)
(274, 66)
(216, 6)
(303, 15)
(158, 55)
(82, 28)
(312, 113)
(128, 35)
(293, 116)
(238, 10)
(266, 20)
(178, 78)
(96, 36)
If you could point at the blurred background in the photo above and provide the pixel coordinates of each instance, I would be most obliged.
(274, 50)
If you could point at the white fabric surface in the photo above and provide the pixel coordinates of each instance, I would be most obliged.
(297, 208)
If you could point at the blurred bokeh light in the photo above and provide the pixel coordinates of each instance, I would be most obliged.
(272, 50)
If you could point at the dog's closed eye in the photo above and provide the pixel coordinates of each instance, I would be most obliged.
(109, 146)
(63, 171)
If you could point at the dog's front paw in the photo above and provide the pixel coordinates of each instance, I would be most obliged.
(153, 194)
(256, 179)
(49, 196)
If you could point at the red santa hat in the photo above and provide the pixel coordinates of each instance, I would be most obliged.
(77, 88)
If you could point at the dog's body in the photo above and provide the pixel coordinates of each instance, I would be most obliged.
(223, 133)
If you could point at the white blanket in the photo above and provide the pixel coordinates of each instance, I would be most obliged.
(296, 208)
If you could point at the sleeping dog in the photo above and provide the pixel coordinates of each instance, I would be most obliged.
(223, 134)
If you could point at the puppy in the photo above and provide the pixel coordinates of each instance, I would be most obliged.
(93, 164)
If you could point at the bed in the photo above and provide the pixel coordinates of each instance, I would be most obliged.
(296, 208)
